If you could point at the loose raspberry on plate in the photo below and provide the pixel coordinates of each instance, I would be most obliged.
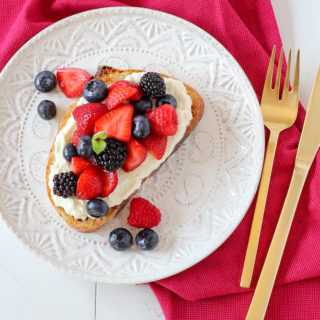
(143, 214)
(136, 155)
(90, 184)
(163, 120)
(116, 123)
(87, 114)
(155, 145)
(72, 81)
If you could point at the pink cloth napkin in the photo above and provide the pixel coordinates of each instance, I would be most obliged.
(210, 290)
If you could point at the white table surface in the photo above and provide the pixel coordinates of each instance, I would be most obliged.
(33, 290)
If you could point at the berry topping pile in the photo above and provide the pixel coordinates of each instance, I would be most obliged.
(115, 130)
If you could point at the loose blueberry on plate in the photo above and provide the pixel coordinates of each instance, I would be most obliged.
(97, 208)
(140, 127)
(45, 81)
(167, 99)
(70, 151)
(120, 239)
(142, 105)
(147, 239)
(85, 147)
(95, 90)
(47, 109)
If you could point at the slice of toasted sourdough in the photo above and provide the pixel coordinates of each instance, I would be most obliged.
(110, 75)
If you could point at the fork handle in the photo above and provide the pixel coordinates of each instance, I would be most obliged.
(270, 268)
(259, 211)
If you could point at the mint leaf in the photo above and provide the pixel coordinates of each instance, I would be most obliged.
(98, 142)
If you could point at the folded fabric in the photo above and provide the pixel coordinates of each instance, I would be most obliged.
(210, 290)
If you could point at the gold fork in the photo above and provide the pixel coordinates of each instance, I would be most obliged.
(278, 115)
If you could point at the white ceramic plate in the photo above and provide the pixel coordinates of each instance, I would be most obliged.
(204, 189)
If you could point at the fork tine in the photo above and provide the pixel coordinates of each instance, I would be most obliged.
(286, 81)
(295, 86)
(268, 81)
(278, 77)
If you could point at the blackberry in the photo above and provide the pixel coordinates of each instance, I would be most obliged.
(65, 184)
(152, 84)
(113, 156)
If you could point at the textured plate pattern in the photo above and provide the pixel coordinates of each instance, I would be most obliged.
(203, 190)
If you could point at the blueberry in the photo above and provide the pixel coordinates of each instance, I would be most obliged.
(47, 109)
(70, 151)
(142, 105)
(95, 90)
(85, 147)
(167, 99)
(120, 239)
(147, 239)
(45, 81)
(140, 127)
(97, 208)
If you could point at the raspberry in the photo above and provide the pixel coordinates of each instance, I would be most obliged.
(143, 214)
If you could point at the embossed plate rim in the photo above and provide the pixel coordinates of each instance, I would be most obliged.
(235, 67)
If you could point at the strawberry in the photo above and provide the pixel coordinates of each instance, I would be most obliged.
(118, 93)
(109, 179)
(136, 154)
(155, 145)
(90, 184)
(78, 165)
(76, 136)
(86, 116)
(72, 81)
(124, 83)
(143, 214)
(116, 123)
(163, 120)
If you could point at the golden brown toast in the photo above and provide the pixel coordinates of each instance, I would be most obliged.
(110, 75)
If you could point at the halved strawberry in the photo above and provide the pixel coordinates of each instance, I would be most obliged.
(78, 165)
(86, 116)
(116, 123)
(163, 120)
(118, 93)
(72, 81)
(76, 136)
(155, 145)
(109, 179)
(136, 154)
(89, 185)
(124, 83)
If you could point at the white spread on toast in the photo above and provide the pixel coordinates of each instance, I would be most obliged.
(128, 182)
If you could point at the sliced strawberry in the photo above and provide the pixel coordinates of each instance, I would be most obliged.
(124, 83)
(72, 81)
(109, 179)
(116, 123)
(118, 93)
(136, 154)
(78, 165)
(155, 145)
(163, 120)
(86, 116)
(76, 136)
(90, 184)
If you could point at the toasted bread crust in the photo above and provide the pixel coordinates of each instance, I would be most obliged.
(110, 75)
